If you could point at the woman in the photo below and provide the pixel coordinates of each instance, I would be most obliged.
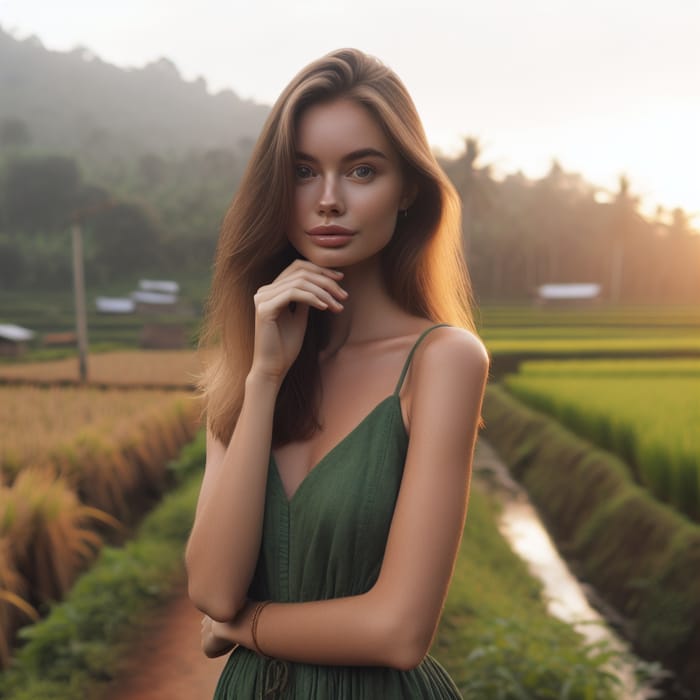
(342, 410)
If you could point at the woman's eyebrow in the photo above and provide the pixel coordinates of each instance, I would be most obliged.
(355, 155)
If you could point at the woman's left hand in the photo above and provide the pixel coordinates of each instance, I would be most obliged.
(219, 637)
(213, 642)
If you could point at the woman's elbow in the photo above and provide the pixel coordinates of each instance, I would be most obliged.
(407, 661)
(409, 645)
(218, 605)
(408, 656)
(220, 610)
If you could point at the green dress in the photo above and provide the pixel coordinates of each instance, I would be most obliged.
(328, 541)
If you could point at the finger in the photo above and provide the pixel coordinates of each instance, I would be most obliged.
(327, 290)
(272, 303)
(302, 284)
(327, 283)
(332, 286)
(275, 291)
(307, 265)
(282, 301)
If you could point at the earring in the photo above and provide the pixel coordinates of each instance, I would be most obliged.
(405, 213)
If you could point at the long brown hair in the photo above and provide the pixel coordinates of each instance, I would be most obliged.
(423, 267)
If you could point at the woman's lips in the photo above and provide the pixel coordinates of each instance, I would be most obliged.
(330, 236)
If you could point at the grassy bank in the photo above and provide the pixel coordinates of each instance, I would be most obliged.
(641, 556)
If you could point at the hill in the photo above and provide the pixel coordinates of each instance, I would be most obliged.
(74, 101)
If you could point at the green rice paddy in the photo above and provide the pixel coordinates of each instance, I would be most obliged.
(648, 412)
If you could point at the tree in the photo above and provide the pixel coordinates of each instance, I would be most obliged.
(40, 193)
(624, 220)
(12, 265)
(126, 240)
(683, 252)
(474, 186)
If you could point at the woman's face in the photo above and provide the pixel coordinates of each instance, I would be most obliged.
(349, 185)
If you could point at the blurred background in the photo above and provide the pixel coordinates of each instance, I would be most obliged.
(570, 130)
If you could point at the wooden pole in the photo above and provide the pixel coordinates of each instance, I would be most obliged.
(79, 292)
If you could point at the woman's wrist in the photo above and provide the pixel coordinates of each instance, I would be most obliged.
(238, 630)
(254, 626)
(260, 381)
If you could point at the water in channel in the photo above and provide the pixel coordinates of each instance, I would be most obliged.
(566, 597)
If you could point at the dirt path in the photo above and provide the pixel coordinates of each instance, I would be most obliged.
(170, 665)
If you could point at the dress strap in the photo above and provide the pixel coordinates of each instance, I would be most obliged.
(410, 354)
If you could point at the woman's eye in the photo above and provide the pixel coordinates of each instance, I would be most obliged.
(303, 172)
(363, 172)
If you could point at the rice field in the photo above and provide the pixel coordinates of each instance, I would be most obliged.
(529, 330)
(75, 465)
(129, 368)
(648, 317)
(646, 411)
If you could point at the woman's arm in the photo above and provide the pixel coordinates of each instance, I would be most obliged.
(224, 544)
(225, 538)
(393, 624)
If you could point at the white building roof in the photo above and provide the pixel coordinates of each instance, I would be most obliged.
(10, 331)
(115, 305)
(165, 286)
(568, 291)
(153, 298)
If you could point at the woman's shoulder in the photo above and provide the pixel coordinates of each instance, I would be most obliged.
(453, 353)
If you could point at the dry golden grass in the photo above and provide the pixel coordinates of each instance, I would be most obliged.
(71, 425)
(46, 538)
(49, 529)
(124, 368)
(14, 609)
(72, 462)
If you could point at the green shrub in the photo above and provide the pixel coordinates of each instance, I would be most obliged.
(509, 662)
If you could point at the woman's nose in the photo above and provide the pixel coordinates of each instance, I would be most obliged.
(330, 201)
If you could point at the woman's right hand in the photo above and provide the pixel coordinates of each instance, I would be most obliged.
(282, 310)
(212, 644)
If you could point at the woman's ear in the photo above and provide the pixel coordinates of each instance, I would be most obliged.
(409, 195)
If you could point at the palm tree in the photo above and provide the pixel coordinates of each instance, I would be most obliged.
(474, 185)
(624, 219)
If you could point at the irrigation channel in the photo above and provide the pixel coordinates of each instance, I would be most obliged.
(567, 598)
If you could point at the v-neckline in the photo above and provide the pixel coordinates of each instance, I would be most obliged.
(321, 462)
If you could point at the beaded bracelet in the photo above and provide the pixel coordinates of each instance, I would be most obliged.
(254, 627)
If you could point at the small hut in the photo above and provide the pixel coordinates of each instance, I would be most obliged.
(574, 294)
(154, 302)
(115, 305)
(162, 286)
(163, 336)
(156, 296)
(14, 340)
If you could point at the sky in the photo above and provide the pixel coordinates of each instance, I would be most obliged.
(607, 87)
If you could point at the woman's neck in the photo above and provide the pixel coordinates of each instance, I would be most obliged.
(367, 307)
